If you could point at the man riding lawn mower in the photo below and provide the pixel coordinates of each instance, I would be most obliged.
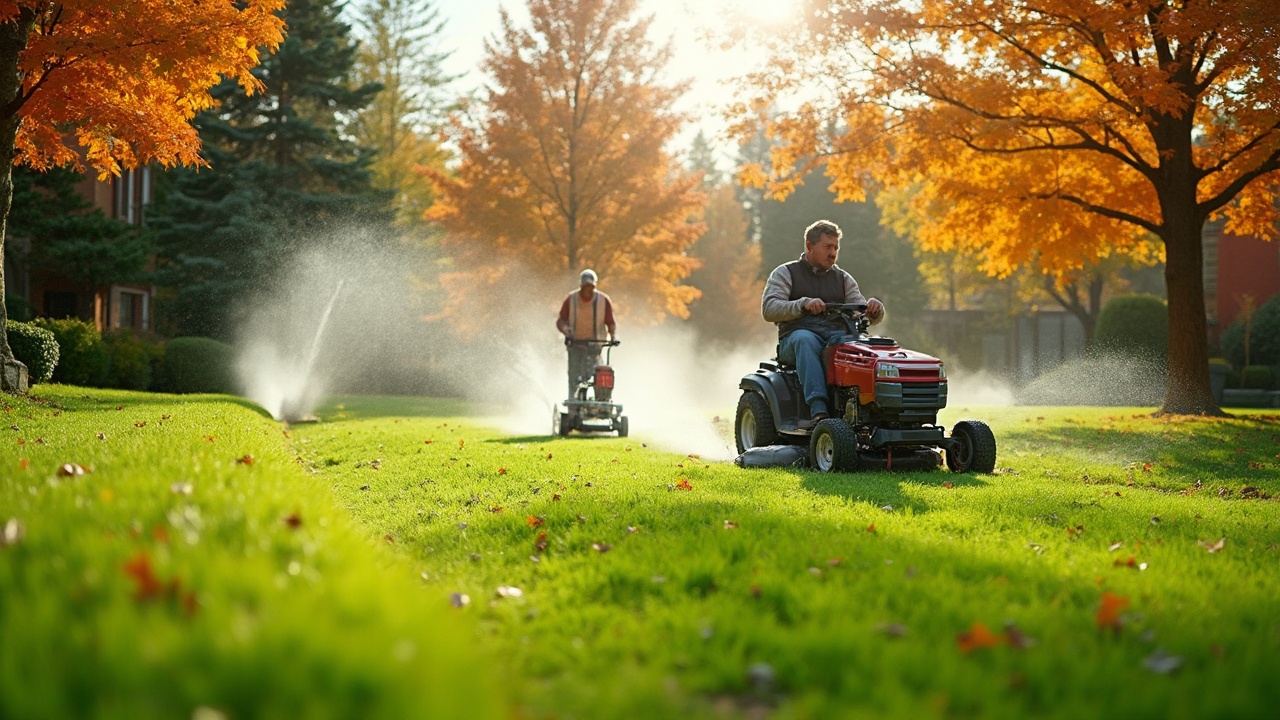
(857, 401)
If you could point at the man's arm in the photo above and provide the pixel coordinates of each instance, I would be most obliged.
(875, 310)
(562, 323)
(774, 305)
(609, 322)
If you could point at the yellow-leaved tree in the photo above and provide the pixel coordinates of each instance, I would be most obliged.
(120, 79)
(1060, 131)
(563, 163)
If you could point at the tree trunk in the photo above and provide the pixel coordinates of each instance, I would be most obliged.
(13, 39)
(1187, 390)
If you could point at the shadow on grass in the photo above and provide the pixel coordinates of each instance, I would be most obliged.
(524, 439)
(885, 488)
(70, 398)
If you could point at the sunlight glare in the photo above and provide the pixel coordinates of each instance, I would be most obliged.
(765, 12)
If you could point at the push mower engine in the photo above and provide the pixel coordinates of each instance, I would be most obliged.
(885, 402)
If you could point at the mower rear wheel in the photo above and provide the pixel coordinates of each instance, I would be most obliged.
(624, 427)
(977, 451)
(834, 446)
(754, 425)
(561, 423)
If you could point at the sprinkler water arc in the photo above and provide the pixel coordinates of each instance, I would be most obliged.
(292, 408)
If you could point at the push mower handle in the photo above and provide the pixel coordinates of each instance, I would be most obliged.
(597, 343)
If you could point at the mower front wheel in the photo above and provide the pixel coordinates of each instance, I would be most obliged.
(834, 446)
(977, 450)
(561, 423)
(754, 425)
(624, 427)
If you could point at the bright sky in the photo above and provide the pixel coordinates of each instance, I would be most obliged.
(469, 22)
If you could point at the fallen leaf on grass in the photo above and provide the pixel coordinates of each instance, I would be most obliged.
(684, 484)
(730, 525)
(459, 600)
(428, 442)
(294, 521)
(140, 423)
(947, 485)
(892, 629)
(11, 533)
(835, 561)
(601, 547)
(541, 543)
(391, 539)
(496, 509)
(208, 438)
(1017, 639)
(71, 470)
(144, 577)
(548, 456)
(1161, 662)
(871, 528)
(245, 460)
(977, 636)
(555, 496)
(1115, 546)
(1108, 615)
(1074, 531)
(102, 436)
(507, 591)
(632, 529)
(535, 521)
(23, 463)
(1131, 562)
(462, 444)
(502, 471)
(1213, 547)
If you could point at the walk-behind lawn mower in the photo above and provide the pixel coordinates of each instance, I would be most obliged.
(591, 407)
(885, 402)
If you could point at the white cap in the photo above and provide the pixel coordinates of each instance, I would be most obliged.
(588, 277)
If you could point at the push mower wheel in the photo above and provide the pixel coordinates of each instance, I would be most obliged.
(623, 426)
(834, 446)
(977, 451)
(754, 425)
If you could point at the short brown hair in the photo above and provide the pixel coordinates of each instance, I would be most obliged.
(814, 232)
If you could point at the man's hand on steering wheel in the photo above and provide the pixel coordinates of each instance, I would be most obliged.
(815, 306)
(875, 310)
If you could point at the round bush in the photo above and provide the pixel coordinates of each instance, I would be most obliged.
(196, 365)
(18, 309)
(1264, 336)
(34, 347)
(1133, 326)
(130, 360)
(82, 358)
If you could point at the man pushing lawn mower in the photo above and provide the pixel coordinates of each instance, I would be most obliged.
(587, 323)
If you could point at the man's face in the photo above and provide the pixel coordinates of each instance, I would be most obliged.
(587, 289)
(823, 253)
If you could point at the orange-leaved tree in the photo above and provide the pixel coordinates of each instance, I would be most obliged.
(1060, 131)
(120, 80)
(563, 163)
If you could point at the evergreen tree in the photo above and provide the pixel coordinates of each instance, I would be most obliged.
(67, 235)
(283, 170)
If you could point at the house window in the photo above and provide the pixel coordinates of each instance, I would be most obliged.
(132, 309)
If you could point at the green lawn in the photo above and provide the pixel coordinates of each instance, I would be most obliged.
(664, 586)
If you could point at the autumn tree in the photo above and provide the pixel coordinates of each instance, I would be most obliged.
(728, 311)
(1060, 130)
(400, 50)
(118, 79)
(563, 165)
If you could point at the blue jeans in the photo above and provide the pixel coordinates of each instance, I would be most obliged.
(803, 348)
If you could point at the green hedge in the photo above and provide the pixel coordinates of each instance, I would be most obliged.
(35, 347)
(1256, 377)
(196, 365)
(130, 360)
(18, 309)
(1133, 326)
(1264, 336)
(82, 358)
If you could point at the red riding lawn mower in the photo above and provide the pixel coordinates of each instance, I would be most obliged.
(885, 402)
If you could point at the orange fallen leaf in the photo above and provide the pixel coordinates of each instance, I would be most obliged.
(555, 496)
(245, 460)
(548, 456)
(502, 471)
(462, 443)
(947, 485)
(978, 636)
(428, 442)
(208, 438)
(871, 528)
(541, 543)
(496, 509)
(684, 484)
(23, 463)
(1108, 615)
(140, 423)
(534, 521)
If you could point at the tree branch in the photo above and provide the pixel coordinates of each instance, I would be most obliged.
(1101, 210)
(1271, 164)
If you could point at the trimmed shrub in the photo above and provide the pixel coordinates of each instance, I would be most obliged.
(1264, 336)
(196, 365)
(34, 347)
(1133, 326)
(82, 359)
(130, 360)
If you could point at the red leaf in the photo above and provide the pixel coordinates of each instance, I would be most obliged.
(978, 636)
(139, 569)
(1108, 615)
(947, 485)
(502, 471)
(555, 496)
(684, 484)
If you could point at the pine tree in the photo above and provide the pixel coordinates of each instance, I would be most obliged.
(282, 171)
